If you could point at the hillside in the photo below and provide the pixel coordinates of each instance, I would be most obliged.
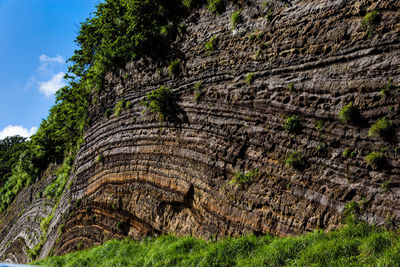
(250, 117)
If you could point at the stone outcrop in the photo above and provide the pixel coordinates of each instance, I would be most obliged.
(136, 176)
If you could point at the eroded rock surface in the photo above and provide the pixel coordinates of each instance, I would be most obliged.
(136, 176)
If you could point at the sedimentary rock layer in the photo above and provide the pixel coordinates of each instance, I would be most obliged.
(136, 176)
(175, 176)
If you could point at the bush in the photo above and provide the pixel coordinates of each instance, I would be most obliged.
(242, 178)
(382, 127)
(295, 160)
(369, 21)
(348, 114)
(375, 159)
(292, 124)
(216, 6)
(212, 43)
(160, 102)
(174, 67)
(236, 18)
(250, 78)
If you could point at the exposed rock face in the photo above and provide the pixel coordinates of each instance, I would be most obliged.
(136, 176)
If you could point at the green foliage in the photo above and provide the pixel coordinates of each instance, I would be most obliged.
(348, 114)
(295, 160)
(10, 150)
(56, 188)
(216, 6)
(212, 43)
(107, 114)
(382, 127)
(320, 125)
(375, 159)
(292, 124)
(242, 178)
(236, 18)
(119, 107)
(291, 86)
(355, 244)
(250, 78)
(197, 91)
(348, 153)
(160, 102)
(174, 67)
(99, 158)
(370, 20)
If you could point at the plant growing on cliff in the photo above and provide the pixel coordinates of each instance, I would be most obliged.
(375, 159)
(292, 124)
(241, 178)
(382, 128)
(174, 67)
(250, 78)
(212, 43)
(160, 102)
(216, 6)
(295, 160)
(197, 91)
(236, 18)
(349, 114)
(370, 20)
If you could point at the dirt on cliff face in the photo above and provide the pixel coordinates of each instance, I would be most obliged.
(258, 143)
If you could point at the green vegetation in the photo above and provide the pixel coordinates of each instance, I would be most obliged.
(348, 153)
(160, 102)
(10, 150)
(197, 91)
(236, 18)
(348, 114)
(216, 6)
(174, 67)
(212, 43)
(320, 125)
(382, 128)
(355, 244)
(370, 20)
(295, 160)
(291, 86)
(119, 31)
(241, 178)
(250, 78)
(375, 159)
(292, 124)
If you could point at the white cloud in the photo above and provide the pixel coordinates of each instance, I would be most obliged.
(47, 63)
(12, 130)
(31, 82)
(50, 87)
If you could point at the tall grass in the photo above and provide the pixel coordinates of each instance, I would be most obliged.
(356, 244)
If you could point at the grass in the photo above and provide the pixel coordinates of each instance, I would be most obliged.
(160, 102)
(250, 78)
(375, 159)
(355, 244)
(236, 18)
(370, 20)
(382, 128)
(212, 43)
(174, 67)
(291, 86)
(242, 178)
(292, 124)
(348, 114)
(216, 6)
(295, 160)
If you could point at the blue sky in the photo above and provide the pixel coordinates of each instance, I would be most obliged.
(36, 38)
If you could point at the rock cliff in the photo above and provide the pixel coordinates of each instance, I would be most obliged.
(304, 60)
